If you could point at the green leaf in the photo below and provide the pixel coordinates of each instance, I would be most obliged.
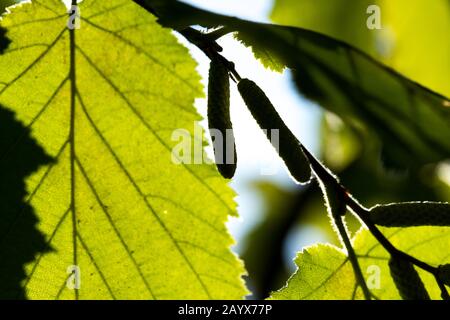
(103, 101)
(324, 271)
(324, 274)
(411, 121)
(411, 214)
(265, 55)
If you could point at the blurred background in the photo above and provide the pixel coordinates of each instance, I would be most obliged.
(277, 217)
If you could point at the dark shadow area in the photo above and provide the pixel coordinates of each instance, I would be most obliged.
(6, 3)
(20, 240)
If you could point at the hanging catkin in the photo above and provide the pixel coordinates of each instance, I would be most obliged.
(407, 280)
(289, 147)
(411, 214)
(219, 120)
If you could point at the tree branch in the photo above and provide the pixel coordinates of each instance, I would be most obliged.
(352, 256)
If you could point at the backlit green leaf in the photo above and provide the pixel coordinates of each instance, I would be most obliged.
(324, 271)
(103, 101)
(265, 55)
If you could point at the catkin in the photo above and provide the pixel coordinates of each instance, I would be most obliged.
(219, 119)
(444, 273)
(410, 214)
(407, 280)
(267, 117)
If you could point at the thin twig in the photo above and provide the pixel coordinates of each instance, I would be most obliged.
(352, 256)
(210, 48)
(444, 292)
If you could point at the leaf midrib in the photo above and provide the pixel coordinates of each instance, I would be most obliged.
(74, 94)
(73, 90)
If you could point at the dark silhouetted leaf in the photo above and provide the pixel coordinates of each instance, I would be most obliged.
(412, 121)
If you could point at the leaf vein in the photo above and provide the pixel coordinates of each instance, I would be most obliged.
(148, 55)
(149, 206)
(91, 257)
(145, 123)
(35, 62)
(114, 227)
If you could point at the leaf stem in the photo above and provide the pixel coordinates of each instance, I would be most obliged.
(210, 48)
(218, 33)
(444, 292)
(339, 221)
